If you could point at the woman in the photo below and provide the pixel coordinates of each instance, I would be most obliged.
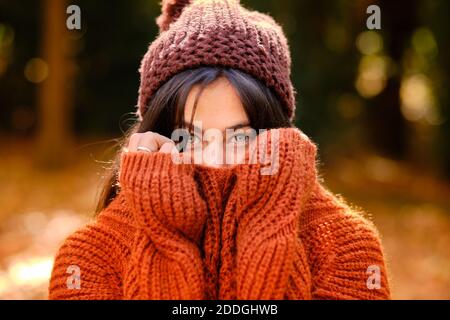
(231, 212)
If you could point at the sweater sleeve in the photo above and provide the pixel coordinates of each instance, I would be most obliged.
(344, 249)
(162, 195)
(267, 205)
(153, 254)
(85, 267)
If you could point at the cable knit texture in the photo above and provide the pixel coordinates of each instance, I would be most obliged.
(249, 231)
(216, 33)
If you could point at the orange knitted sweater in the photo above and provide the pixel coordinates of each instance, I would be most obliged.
(185, 231)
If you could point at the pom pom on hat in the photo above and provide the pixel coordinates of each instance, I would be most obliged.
(170, 11)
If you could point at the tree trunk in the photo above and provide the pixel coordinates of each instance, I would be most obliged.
(54, 132)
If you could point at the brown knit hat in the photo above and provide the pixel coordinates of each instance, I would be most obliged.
(197, 33)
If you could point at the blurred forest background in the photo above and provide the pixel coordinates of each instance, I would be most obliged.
(376, 102)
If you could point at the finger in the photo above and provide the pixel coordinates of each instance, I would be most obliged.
(177, 157)
(148, 140)
(133, 142)
(161, 140)
(168, 147)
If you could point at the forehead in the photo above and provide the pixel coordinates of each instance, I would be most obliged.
(218, 106)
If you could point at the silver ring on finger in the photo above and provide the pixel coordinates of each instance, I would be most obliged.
(145, 149)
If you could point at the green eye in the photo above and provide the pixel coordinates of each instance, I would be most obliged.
(240, 138)
(193, 139)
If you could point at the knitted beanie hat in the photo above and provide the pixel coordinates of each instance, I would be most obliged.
(196, 33)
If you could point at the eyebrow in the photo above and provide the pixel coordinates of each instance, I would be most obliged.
(233, 127)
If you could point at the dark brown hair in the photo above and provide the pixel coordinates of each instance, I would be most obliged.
(165, 111)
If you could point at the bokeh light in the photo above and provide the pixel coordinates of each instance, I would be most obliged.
(36, 70)
(424, 42)
(369, 42)
(417, 99)
(372, 75)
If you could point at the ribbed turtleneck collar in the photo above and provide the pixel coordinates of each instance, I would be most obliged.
(215, 185)
(214, 180)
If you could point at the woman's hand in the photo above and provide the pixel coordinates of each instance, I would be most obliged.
(151, 142)
(161, 190)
